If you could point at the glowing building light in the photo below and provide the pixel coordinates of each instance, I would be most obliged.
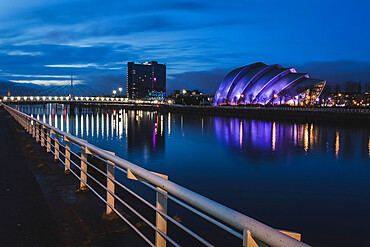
(305, 138)
(273, 139)
(337, 144)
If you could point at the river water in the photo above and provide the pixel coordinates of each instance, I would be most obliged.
(300, 176)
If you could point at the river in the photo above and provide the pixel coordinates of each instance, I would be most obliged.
(299, 176)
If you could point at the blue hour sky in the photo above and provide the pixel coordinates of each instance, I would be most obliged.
(42, 42)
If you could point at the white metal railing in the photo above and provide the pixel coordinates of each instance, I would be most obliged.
(250, 231)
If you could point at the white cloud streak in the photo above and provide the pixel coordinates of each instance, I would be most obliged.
(46, 82)
(22, 53)
(37, 76)
(87, 65)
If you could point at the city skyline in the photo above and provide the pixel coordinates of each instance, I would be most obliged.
(200, 42)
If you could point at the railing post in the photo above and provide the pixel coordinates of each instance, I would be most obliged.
(42, 135)
(67, 163)
(33, 123)
(48, 140)
(248, 241)
(161, 222)
(29, 126)
(110, 184)
(56, 145)
(83, 168)
(37, 127)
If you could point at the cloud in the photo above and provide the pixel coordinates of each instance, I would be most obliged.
(47, 82)
(22, 53)
(36, 76)
(87, 65)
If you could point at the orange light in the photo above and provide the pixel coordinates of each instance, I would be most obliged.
(242, 95)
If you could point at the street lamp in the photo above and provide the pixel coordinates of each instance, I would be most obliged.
(120, 90)
(114, 92)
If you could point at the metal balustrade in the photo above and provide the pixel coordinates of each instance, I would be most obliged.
(250, 232)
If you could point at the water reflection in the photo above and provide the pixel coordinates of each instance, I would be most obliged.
(143, 131)
(337, 144)
(255, 136)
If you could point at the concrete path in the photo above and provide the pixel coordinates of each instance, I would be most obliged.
(25, 216)
(39, 205)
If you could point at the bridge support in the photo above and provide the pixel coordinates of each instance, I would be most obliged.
(72, 109)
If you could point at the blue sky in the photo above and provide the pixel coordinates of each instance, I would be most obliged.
(42, 42)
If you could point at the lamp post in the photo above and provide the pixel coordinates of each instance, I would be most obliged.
(120, 91)
(114, 93)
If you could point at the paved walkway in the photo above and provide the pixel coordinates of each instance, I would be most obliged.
(39, 205)
(25, 217)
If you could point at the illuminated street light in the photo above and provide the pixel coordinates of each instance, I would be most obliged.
(114, 92)
(183, 91)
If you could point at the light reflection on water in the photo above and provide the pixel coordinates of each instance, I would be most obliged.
(288, 175)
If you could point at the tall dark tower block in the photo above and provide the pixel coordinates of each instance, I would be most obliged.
(145, 79)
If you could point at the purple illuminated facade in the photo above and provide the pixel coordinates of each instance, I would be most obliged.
(259, 83)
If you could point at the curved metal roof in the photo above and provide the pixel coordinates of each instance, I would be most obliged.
(259, 82)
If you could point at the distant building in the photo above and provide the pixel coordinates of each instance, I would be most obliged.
(259, 83)
(189, 97)
(146, 79)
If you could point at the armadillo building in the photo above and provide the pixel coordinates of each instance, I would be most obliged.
(259, 83)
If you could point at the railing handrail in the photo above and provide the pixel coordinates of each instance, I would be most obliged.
(227, 215)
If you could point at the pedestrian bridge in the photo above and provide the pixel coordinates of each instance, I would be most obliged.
(75, 100)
